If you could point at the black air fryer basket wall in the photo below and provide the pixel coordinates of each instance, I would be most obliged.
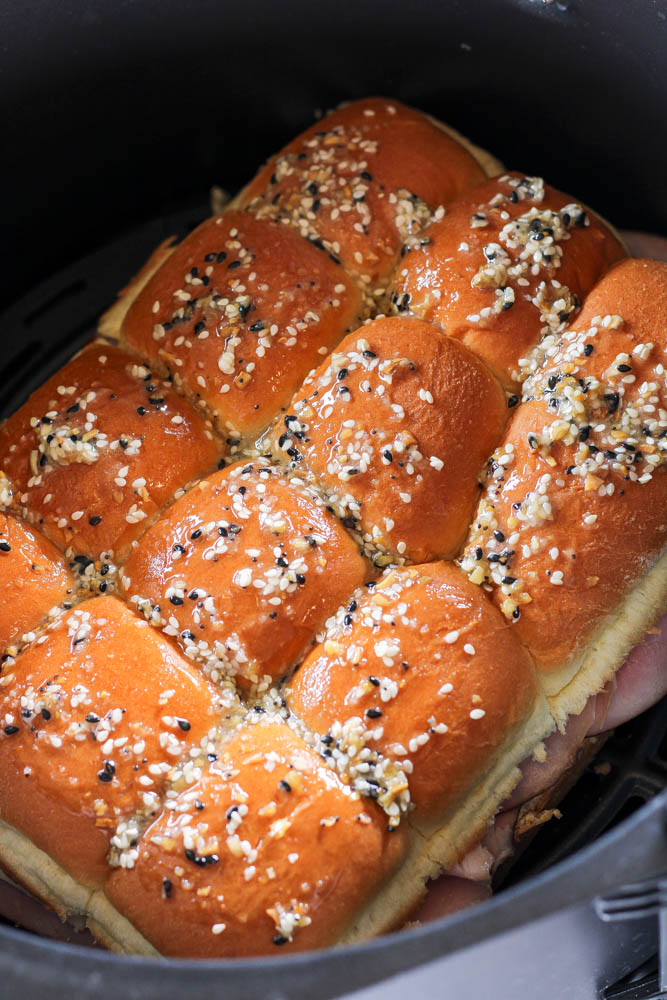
(116, 120)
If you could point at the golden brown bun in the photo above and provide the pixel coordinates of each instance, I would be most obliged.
(110, 323)
(90, 729)
(239, 313)
(435, 279)
(93, 485)
(197, 571)
(362, 180)
(34, 581)
(578, 503)
(277, 855)
(445, 681)
(396, 426)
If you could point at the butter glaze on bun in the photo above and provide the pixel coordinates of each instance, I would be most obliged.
(98, 449)
(395, 426)
(243, 570)
(361, 181)
(238, 314)
(510, 261)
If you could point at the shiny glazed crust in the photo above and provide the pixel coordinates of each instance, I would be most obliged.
(286, 713)
(499, 300)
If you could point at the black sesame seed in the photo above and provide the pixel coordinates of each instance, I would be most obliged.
(142, 411)
(95, 520)
(11, 730)
(183, 724)
(588, 350)
(512, 401)
(176, 600)
(46, 715)
(279, 939)
(5, 547)
(166, 888)
(612, 400)
(285, 785)
(624, 368)
(373, 713)
(498, 535)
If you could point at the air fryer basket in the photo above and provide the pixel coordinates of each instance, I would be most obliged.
(114, 114)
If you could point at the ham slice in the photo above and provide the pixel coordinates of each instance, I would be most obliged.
(640, 683)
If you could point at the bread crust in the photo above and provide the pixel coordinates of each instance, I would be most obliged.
(35, 582)
(238, 314)
(382, 161)
(194, 815)
(90, 742)
(93, 485)
(573, 514)
(247, 525)
(391, 427)
(499, 302)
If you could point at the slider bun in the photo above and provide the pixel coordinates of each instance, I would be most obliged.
(74, 491)
(589, 549)
(304, 847)
(195, 571)
(239, 313)
(99, 662)
(446, 682)
(573, 514)
(414, 415)
(34, 580)
(361, 180)
(434, 281)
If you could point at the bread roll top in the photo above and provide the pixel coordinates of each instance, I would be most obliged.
(421, 668)
(510, 261)
(395, 425)
(243, 570)
(98, 449)
(239, 313)
(573, 512)
(268, 851)
(361, 181)
(94, 715)
(35, 583)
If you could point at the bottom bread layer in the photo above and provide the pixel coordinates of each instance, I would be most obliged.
(441, 843)
(431, 849)
(46, 880)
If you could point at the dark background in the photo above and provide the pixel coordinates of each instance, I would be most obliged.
(115, 111)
